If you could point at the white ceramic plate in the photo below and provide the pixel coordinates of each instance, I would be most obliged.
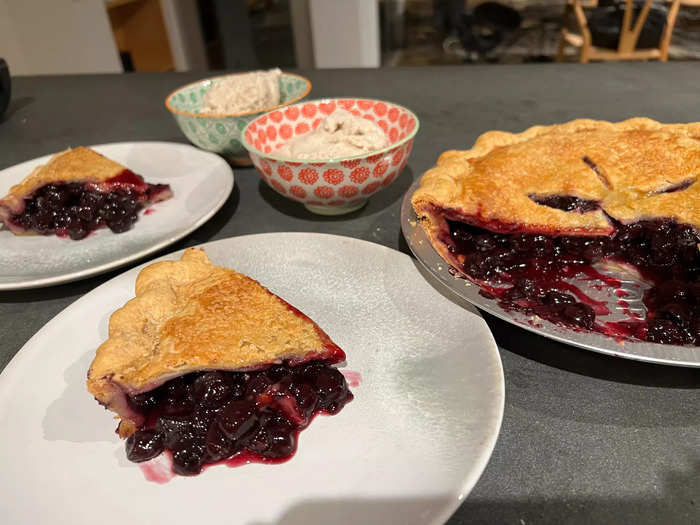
(201, 183)
(406, 450)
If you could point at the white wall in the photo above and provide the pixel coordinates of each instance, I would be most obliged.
(39, 37)
(301, 29)
(181, 19)
(345, 33)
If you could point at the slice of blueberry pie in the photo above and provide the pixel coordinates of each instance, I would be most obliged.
(208, 364)
(75, 193)
(521, 214)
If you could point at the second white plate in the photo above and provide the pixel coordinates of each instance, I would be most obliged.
(201, 183)
(407, 449)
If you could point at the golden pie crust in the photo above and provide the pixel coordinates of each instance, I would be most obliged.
(624, 166)
(190, 315)
(80, 164)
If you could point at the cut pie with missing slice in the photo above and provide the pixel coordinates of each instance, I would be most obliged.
(521, 213)
(75, 193)
(208, 364)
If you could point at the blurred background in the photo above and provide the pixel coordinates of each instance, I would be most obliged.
(97, 36)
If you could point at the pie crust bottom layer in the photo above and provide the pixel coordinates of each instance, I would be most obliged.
(236, 417)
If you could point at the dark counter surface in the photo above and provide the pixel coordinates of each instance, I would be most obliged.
(586, 438)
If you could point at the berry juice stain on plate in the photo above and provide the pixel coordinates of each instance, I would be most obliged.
(353, 378)
(159, 469)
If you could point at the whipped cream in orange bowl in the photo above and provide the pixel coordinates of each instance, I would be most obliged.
(332, 154)
(340, 134)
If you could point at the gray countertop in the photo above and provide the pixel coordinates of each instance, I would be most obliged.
(585, 437)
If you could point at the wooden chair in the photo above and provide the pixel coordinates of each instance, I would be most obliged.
(629, 34)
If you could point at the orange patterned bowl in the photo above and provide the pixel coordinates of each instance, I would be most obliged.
(330, 186)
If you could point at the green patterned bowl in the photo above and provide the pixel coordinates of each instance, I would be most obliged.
(221, 133)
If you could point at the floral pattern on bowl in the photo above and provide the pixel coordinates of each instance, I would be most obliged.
(335, 186)
(222, 133)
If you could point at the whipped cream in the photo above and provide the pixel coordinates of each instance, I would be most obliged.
(340, 134)
(245, 92)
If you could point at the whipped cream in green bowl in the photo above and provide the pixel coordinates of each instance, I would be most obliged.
(220, 132)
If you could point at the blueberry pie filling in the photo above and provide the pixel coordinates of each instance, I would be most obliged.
(526, 215)
(529, 272)
(75, 209)
(207, 417)
(77, 192)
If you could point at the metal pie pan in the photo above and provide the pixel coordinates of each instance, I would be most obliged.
(640, 351)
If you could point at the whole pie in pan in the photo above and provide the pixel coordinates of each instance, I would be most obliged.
(522, 214)
(208, 364)
(75, 193)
